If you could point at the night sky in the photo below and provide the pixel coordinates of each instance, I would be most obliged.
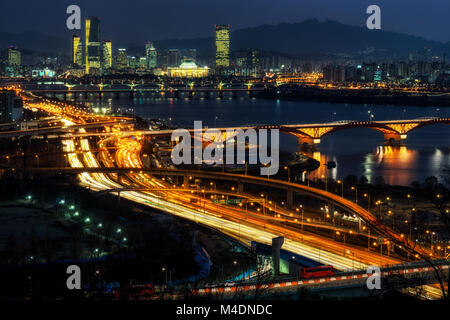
(132, 20)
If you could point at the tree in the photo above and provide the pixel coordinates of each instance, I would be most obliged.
(363, 180)
(351, 180)
(379, 181)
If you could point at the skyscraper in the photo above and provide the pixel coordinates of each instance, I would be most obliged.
(222, 46)
(93, 48)
(77, 51)
(14, 57)
(121, 62)
(107, 54)
(174, 57)
(151, 56)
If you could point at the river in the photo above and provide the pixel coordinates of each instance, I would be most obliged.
(358, 151)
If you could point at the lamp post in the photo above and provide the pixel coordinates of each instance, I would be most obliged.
(368, 202)
(289, 173)
(353, 259)
(342, 187)
(326, 181)
(356, 193)
(164, 269)
(379, 203)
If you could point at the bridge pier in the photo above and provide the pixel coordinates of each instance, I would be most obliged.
(240, 187)
(117, 95)
(191, 94)
(176, 94)
(220, 94)
(394, 138)
(289, 199)
(131, 94)
(308, 142)
(276, 246)
(85, 95)
(186, 181)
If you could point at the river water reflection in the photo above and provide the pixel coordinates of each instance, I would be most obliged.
(358, 151)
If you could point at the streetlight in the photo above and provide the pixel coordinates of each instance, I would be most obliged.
(342, 187)
(379, 203)
(289, 173)
(368, 202)
(326, 181)
(353, 259)
(164, 269)
(356, 193)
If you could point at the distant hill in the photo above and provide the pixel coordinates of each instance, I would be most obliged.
(304, 38)
(35, 42)
(327, 37)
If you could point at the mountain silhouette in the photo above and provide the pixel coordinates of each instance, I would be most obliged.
(309, 36)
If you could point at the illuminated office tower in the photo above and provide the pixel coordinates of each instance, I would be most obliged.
(174, 57)
(93, 45)
(107, 54)
(77, 51)
(121, 62)
(14, 57)
(151, 56)
(222, 46)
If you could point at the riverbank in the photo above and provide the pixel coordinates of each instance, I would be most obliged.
(377, 96)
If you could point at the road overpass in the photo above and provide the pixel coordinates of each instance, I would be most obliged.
(310, 134)
(396, 277)
(289, 187)
(60, 130)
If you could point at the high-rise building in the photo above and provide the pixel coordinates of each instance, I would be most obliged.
(133, 62)
(107, 54)
(151, 56)
(222, 46)
(93, 44)
(189, 54)
(77, 51)
(14, 57)
(121, 61)
(174, 57)
(10, 106)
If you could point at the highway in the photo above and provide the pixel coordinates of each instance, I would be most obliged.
(233, 221)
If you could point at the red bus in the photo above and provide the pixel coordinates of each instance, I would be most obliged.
(135, 292)
(317, 272)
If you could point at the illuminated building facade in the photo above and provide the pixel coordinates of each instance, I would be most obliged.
(121, 62)
(151, 56)
(10, 106)
(14, 57)
(173, 57)
(77, 51)
(107, 54)
(188, 69)
(93, 44)
(222, 46)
